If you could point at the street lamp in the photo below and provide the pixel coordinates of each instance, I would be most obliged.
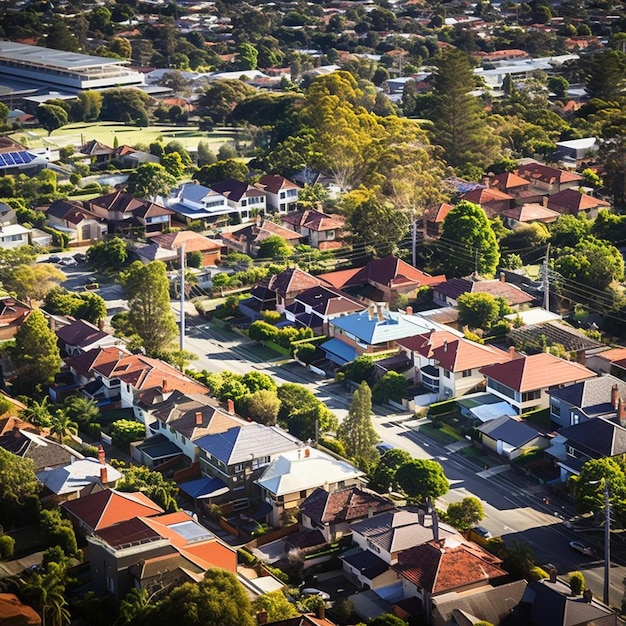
(607, 537)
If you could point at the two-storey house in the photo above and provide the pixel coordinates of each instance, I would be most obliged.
(81, 225)
(547, 179)
(320, 230)
(245, 199)
(192, 202)
(281, 193)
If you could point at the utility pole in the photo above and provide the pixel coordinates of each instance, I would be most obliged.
(607, 541)
(414, 241)
(546, 281)
(182, 297)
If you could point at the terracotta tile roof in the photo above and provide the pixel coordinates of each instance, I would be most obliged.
(84, 364)
(344, 505)
(507, 180)
(254, 233)
(439, 213)
(133, 531)
(531, 212)
(426, 343)
(315, 220)
(547, 174)
(119, 201)
(95, 148)
(341, 278)
(538, 371)
(14, 613)
(456, 287)
(439, 568)
(613, 355)
(108, 507)
(12, 311)
(483, 196)
(328, 301)
(80, 332)
(70, 211)
(461, 355)
(192, 241)
(572, 200)
(10, 423)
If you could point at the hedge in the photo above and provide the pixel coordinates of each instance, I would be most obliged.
(441, 408)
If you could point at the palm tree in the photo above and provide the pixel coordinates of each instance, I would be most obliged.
(519, 560)
(38, 413)
(62, 426)
(81, 409)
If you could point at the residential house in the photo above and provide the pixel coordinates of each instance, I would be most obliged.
(293, 476)
(98, 153)
(510, 438)
(108, 507)
(14, 236)
(183, 418)
(245, 199)
(447, 293)
(382, 280)
(154, 553)
(306, 619)
(594, 397)
(287, 286)
(575, 150)
(548, 180)
(373, 331)
(524, 382)
(248, 238)
(44, 453)
(82, 226)
(611, 361)
(239, 455)
(492, 201)
(122, 211)
(379, 539)
(7, 214)
(80, 336)
(167, 247)
(447, 364)
(281, 194)
(442, 566)
(194, 202)
(131, 158)
(13, 313)
(332, 513)
(315, 307)
(528, 213)
(434, 218)
(16, 159)
(510, 184)
(573, 202)
(79, 479)
(321, 230)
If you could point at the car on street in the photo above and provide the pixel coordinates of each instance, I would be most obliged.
(384, 447)
(67, 260)
(579, 546)
(54, 258)
(80, 257)
(312, 591)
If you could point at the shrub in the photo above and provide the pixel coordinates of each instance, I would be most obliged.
(576, 583)
(334, 445)
(271, 317)
(123, 432)
(7, 546)
(306, 352)
(537, 573)
(245, 557)
(360, 369)
(392, 386)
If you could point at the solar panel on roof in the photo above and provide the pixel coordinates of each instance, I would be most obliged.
(8, 159)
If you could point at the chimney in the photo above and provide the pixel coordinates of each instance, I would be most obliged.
(101, 324)
(581, 358)
(230, 406)
(502, 277)
(614, 396)
(370, 311)
(321, 611)
(104, 477)
(261, 618)
(163, 385)
(588, 596)
(512, 353)
(101, 455)
(379, 310)
(371, 511)
(486, 182)
(553, 574)
(409, 310)
(307, 452)
(544, 201)
(621, 412)
(435, 519)
(420, 517)
(198, 418)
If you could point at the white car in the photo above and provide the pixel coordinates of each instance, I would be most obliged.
(311, 591)
(68, 260)
(579, 546)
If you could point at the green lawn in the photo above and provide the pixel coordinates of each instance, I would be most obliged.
(444, 435)
(105, 132)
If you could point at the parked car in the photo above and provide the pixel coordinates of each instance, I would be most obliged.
(579, 546)
(80, 257)
(312, 591)
(384, 447)
(68, 260)
(54, 258)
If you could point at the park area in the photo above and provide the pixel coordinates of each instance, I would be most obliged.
(105, 132)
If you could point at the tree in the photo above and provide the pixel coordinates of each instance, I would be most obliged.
(51, 117)
(468, 242)
(519, 560)
(33, 281)
(458, 116)
(356, 432)
(589, 494)
(604, 74)
(256, 381)
(86, 306)
(62, 426)
(149, 311)
(38, 413)
(152, 484)
(480, 310)
(218, 600)
(465, 514)
(383, 477)
(276, 605)
(18, 486)
(36, 356)
(205, 155)
(422, 480)
(362, 368)
(262, 406)
(150, 180)
(81, 409)
(247, 56)
(110, 253)
(302, 413)
(124, 105)
(215, 172)
(391, 386)
(274, 248)
(220, 98)
(576, 583)
(378, 225)
(387, 619)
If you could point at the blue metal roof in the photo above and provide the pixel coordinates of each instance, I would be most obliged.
(11, 159)
(338, 352)
(204, 487)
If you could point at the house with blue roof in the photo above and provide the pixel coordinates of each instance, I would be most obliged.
(196, 202)
(372, 331)
(239, 455)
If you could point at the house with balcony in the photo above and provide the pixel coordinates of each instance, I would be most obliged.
(243, 198)
(294, 475)
(525, 382)
(81, 225)
(373, 331)
(241, 454)
(333, 512)
(320, 230)
(281, 193)
(192, 202)
(447, 364)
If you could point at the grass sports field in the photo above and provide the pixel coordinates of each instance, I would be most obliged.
(105, 132)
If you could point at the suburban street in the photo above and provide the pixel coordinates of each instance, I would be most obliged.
(514, 508)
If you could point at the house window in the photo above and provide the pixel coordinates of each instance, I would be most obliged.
(244, 203)
(555, 408)
(303, 493)
(466, 373)
(573, 418)
(183, 440)
(531, 395)
(570, 451)
(446, 373)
